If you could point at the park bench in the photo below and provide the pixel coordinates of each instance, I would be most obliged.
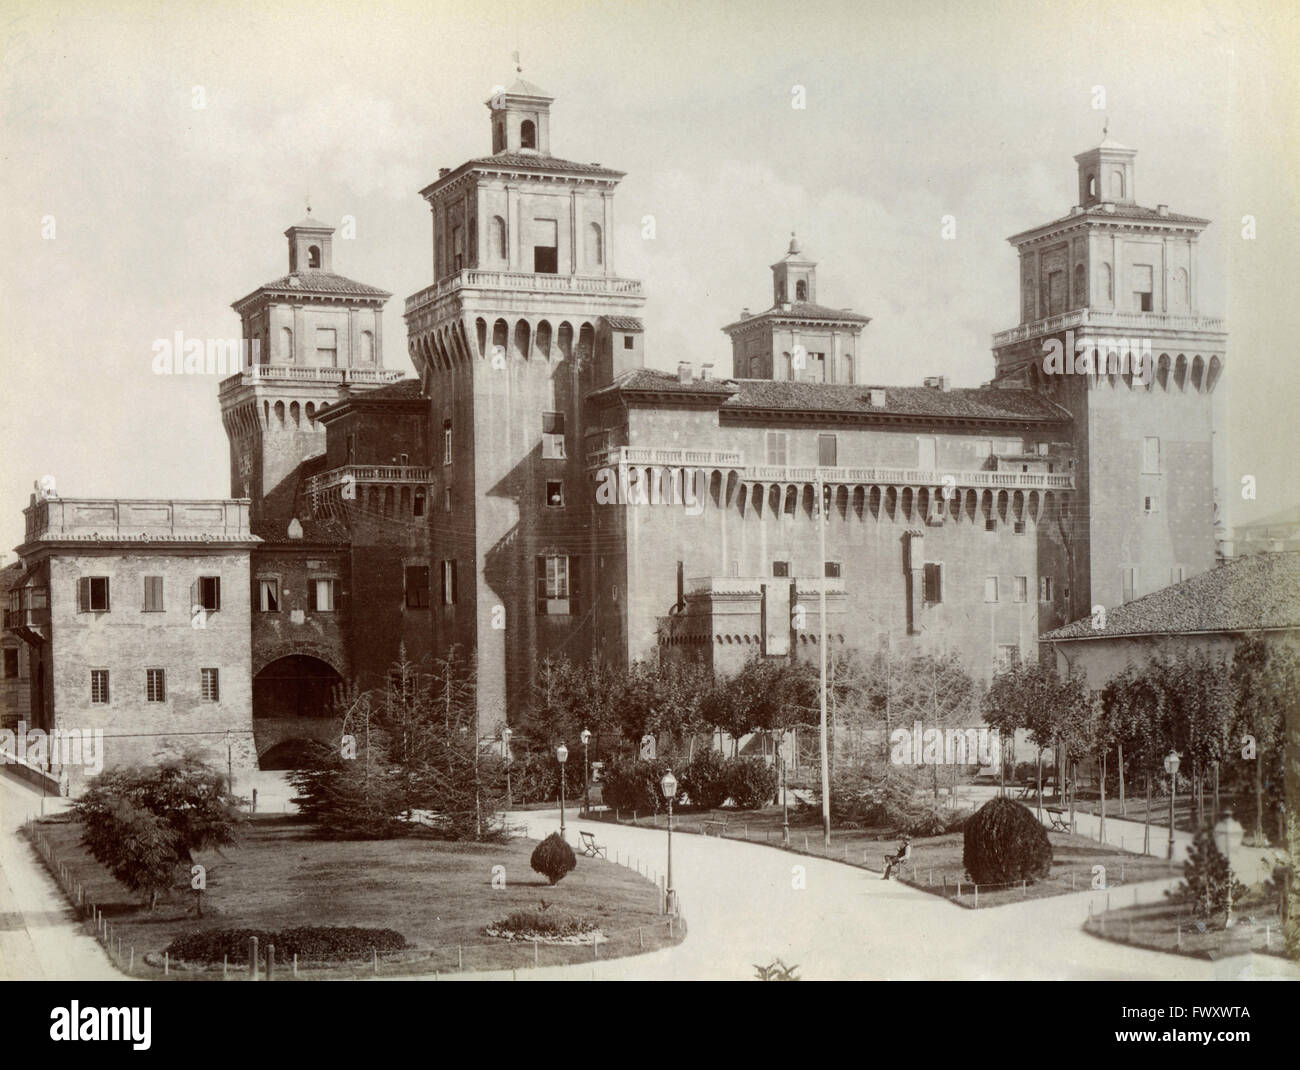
(1059, 820)
(717, 828)
(590, 848)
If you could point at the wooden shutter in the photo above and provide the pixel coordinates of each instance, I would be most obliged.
(311, 595)
(574, 562)
(216, 593)
(541, 584)
(83, 595)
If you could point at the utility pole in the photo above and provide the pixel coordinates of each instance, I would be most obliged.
(823, 517)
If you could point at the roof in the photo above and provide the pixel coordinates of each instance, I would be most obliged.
(804, 310)
(310, 223)
(1130, 212)
(314, 530)
(402, 392)
(769, 395)
(1285, 519)
(522, 87)
(317, 282)
(624, 323)
(538, 162)
(1252, 593)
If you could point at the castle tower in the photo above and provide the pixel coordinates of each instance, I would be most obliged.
(1111, 329)
(797, 339)
(317, 335)
(525, 315)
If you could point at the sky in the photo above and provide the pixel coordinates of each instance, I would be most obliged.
(131, 213)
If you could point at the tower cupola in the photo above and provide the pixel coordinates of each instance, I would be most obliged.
(310, 243)
(794, 278)
(1106, 173)
(521, 119)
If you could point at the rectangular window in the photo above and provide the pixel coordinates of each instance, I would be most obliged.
(554, 589)
(1151, 455)
(629, 342)
(817, 367)
(827, 451)
(417, 508)
(417, 586)
(446, 442)
(1044, 588)
(1018, 527)
(268, 594)
(1142, 275)
(153, 594)
(155, 685)
(209, 593)
(1008, 655)
(833, 571)
(92, 594)
(933, 582)
(983, 449)
(327, 347)
(1022, 588)
(11, 662)
(323, 595)
(1148, 505)
(546, 253)
(99, 686)
(776, 447)
(1128, 583)
(990, 588)
(781, 568)
(449, 583)
(553, 435)
(990, 523)
(554, 494)
(210, 684)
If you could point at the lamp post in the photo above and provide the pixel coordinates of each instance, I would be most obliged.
(505, 754)
(230, 764)
(785, 797)
(562, 753)
(585, 736)
(1171, 767)
(668, 784)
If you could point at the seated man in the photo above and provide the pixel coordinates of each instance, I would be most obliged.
(904, 854)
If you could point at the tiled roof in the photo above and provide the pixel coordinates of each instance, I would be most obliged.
(624, 323)
(522, 87)
(320, 282)
(1130, 212)
(1247, 593)
(402, 390)
(537, 162)
(806, 310)
(769, 395)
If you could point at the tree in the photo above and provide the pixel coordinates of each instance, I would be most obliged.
(553, 858)
(1004, 842)
(144, 824)
(1266, 683)
(1208, 883)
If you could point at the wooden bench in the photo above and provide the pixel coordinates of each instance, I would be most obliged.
(1059, 820)
(590, 848)
(718, 828)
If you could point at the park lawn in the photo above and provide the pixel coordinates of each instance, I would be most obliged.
(438, 895)
(1170, 926)
(936, 864)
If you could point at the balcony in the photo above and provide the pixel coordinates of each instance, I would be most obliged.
(1108, 319)
(139, 520)
(352, 474)
(668, 457)
(308, 373)
(30, 618)
(474, 278)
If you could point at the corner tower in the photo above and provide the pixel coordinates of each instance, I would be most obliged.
(1111, 328)
(524, 316)
(317, 336)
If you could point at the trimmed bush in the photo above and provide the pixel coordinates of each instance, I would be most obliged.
(751, 782)
(633, 784)
(312, 943)
(1004, 843)
(705, 780)
(553, 858)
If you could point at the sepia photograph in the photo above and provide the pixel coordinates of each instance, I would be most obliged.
(650, 492)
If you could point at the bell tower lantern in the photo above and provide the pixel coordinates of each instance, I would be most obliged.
(794, 278)
(1106, 173)
(521, 119)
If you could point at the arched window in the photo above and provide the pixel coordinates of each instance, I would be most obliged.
(1107, 283)
(499, 238)
(527, 134)
(367, 347)
(789, 366)
(848, 367)
(313, 256)
(801, 290)
(755, 367)
(780, 293)
(286, 345)
(1092, 185)
(1080, 286)
(1117, 184)
(595, 245)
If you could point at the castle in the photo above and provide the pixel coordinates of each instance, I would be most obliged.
(370, 511)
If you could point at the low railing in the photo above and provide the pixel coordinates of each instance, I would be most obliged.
(1092, 317)
(360, 473)
(308, 373)
(139, 519)
(936, 477)
(672, 457)
(474, 278)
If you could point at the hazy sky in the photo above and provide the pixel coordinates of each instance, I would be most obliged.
(165, 213)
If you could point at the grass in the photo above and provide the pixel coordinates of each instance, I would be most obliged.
(438, 895)
(936, 864)
(1170, 927)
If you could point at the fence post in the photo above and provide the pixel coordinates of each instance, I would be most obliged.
(252, 958)
(1024, 889)
(223, 964)
(1180, 933)
(536, 950)
(640, 938)
(295, 964)
(374, 960)
(460, 957)
(958, 887)
(977, 895)
(1072, 885)
(270, 962)
(132, 965)
(167, 964)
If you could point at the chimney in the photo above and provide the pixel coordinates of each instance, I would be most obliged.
(706, 371)
(877, 396)
(1162, 209)
(443, 172)
(744, 313)
(684, 371)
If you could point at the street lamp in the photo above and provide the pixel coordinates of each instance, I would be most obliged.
(785, 795)
(562, 753)
(585, 736)
(1171, 767)
(668, 784)
(230, 764)
(505, 753)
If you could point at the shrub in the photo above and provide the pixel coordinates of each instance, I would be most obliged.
(553, 858)
(633, 784)
(1207, 879)
(751, 782)
(1004, 842)
(705, 780)
(540, 924)
(314, 943)
(927, 818)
